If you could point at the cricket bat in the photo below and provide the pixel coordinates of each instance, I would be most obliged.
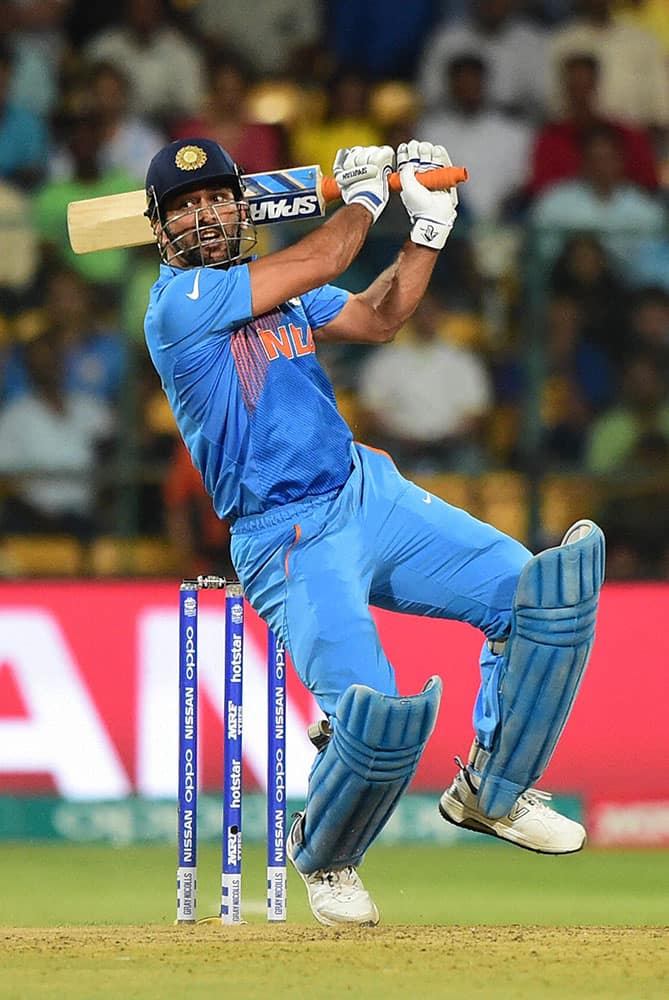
(117, 220)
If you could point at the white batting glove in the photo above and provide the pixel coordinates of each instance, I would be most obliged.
(432, 213)
(362, 175)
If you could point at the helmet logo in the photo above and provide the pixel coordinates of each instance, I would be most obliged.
(190, 158)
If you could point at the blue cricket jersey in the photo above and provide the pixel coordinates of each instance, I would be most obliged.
(253, 405)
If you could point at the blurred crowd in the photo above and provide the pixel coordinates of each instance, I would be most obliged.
(535, 372)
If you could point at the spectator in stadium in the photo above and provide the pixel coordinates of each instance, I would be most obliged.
(36, 32)
(166, 69)
(600, 200)
(634, 79)
(629, 446)
(580, 382)
(494, 146)
(126, 139)
(48, 441)
(426, 399)
(386, 39)
(627, 436)
(94, 357)
(224, 118)
(348, 121)
(513, 48)
(82, 131)
(23, 136)
(268, 34)
(585, 274)
(649, 325)
(557, 153)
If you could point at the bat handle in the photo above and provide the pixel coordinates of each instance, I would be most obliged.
(435, 180)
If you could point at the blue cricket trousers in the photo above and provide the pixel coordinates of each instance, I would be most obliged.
(311, 569)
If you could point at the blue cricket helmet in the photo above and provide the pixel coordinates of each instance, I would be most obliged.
(189, 164)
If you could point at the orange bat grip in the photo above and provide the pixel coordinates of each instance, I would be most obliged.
(435, 180)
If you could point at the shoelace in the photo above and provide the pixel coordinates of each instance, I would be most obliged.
(345, 878)
(537, 797)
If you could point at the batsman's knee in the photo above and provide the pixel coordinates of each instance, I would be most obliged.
(369, 759)
(545, 656)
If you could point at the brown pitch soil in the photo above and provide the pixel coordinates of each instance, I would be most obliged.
(259, 960)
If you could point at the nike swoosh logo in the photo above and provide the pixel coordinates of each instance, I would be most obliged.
(195, 294)
(427, 498)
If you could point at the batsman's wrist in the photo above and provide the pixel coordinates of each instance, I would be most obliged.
(369, 200)
(431, 233)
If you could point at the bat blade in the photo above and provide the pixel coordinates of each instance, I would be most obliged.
(109, 223)
(117, 221)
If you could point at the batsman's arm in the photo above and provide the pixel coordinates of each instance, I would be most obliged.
(362, 174)
(375, 315)
(315, 260)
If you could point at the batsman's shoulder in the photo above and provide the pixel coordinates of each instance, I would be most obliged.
(188, 286)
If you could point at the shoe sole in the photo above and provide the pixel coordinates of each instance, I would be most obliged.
(471, 823)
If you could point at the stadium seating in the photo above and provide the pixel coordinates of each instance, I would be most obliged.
(503, 502)
(36, 555)
(145, 556)
(564, 499)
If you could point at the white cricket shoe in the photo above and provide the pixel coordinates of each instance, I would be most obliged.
(335, 897)
(531, 823)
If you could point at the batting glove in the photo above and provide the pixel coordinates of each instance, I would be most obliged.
(362, 175)
(432, 213)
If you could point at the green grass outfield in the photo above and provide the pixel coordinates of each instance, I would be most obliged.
(489, 921)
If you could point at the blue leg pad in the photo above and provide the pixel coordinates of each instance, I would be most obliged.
(356, 782)
(552, 634)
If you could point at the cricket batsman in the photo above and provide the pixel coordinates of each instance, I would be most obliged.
(324, 528)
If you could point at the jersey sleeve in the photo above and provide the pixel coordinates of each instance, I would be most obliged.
(323, 304)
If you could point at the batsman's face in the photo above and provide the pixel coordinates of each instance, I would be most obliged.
(203, 227)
